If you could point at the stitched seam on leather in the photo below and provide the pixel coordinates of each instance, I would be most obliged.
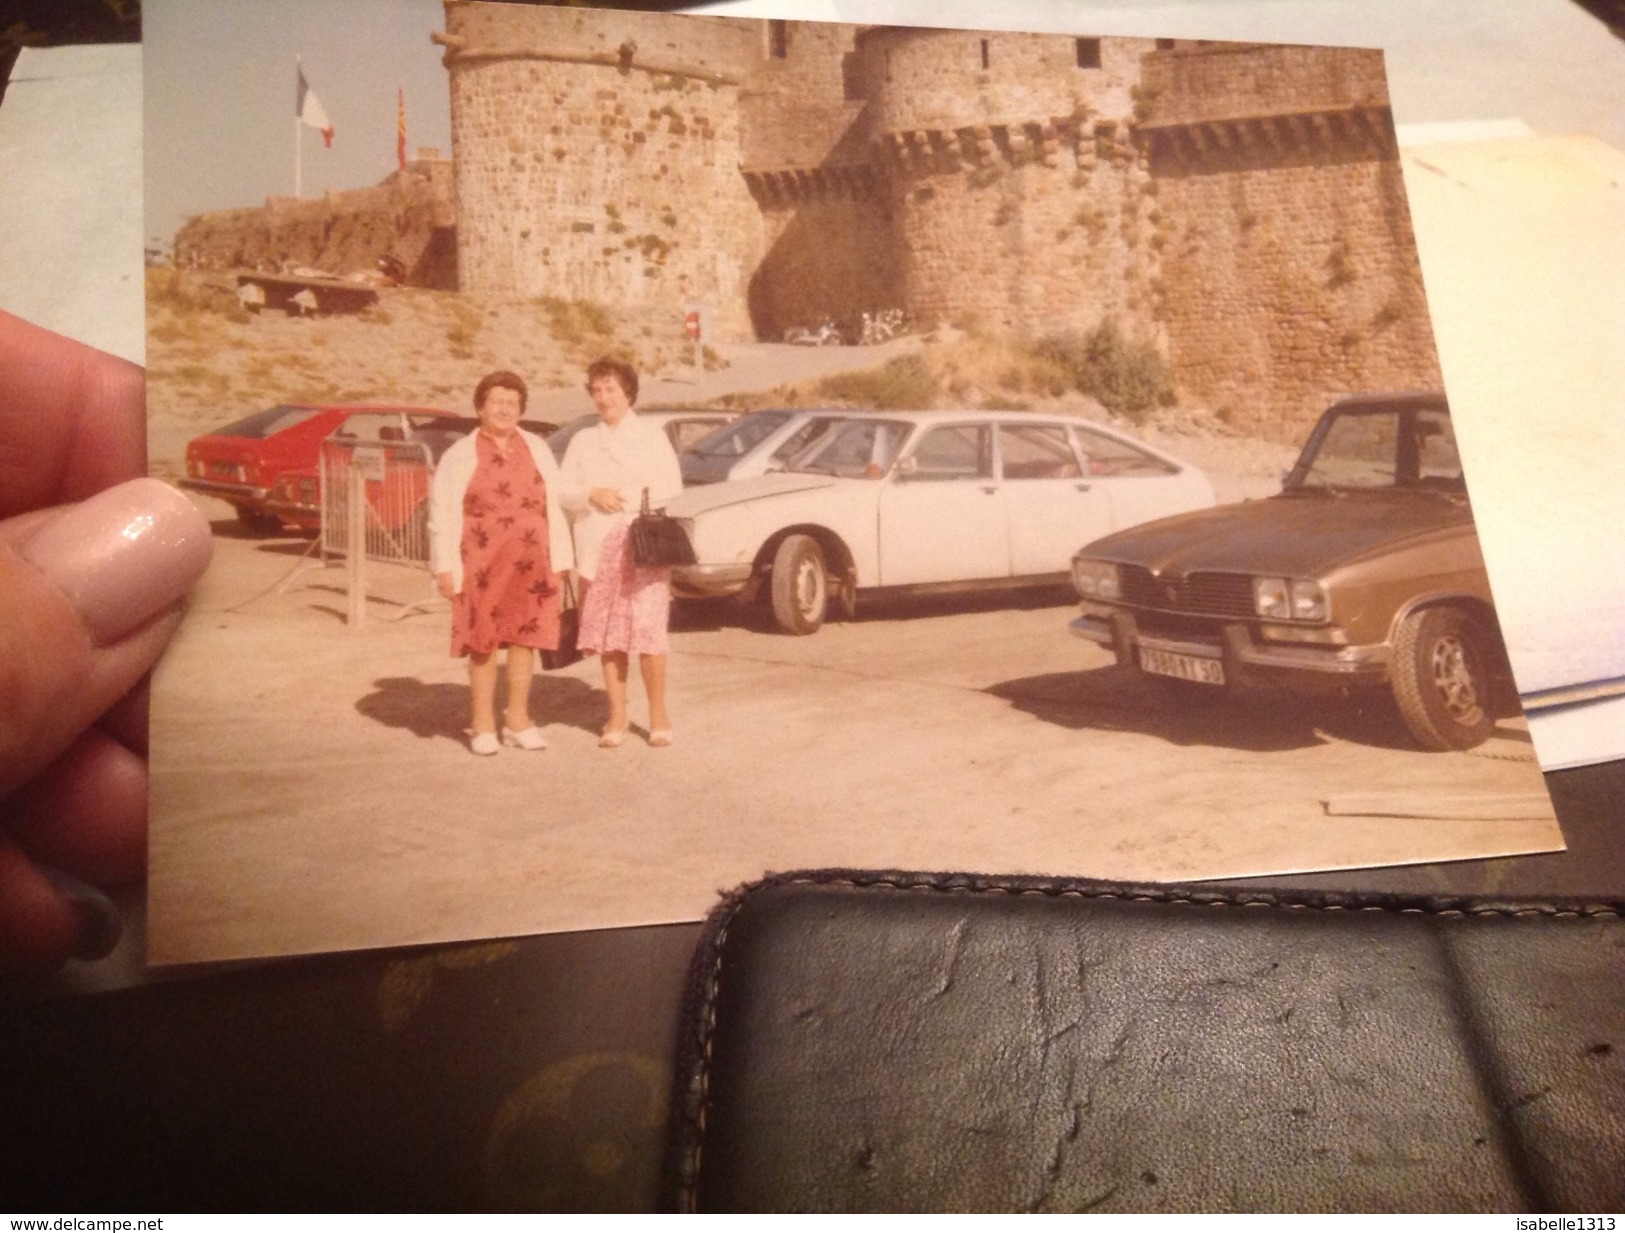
(691, 1171)
(1218, 901)
(690, 1184)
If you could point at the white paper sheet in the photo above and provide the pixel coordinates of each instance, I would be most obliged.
(70, 195)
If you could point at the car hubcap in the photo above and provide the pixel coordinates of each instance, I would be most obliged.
(1452, 676)
(809, 588)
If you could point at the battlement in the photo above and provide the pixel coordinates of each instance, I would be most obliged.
(1241, 204)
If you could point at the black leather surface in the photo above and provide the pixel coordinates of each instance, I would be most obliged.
(886, 1042)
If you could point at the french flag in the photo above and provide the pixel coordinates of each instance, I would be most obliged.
(310, 111)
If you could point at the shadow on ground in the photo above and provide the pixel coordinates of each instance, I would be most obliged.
(1114, 699)
(435, 710)
(711, 615)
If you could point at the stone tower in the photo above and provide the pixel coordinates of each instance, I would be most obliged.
(1017, 197)
(597, 156)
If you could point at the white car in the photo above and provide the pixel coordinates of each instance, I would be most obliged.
(754, 444)
(683, 425)
(925, 500)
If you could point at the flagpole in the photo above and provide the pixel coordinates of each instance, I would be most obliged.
(298, 137)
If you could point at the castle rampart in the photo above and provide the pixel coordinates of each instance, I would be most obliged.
(1241, 205)
(599, 159)
(1287, 242)
(1016, 199)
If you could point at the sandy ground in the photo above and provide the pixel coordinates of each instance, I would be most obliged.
(312, 789)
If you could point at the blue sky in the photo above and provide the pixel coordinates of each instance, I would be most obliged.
(219, 82)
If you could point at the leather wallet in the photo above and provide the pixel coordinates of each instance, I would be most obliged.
(897, 1041)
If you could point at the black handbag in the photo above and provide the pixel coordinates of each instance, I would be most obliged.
(659, 539)
(567, 652)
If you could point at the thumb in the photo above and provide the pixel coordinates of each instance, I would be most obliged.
(89, 596)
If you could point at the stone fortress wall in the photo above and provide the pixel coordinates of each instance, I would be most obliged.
(1016, 197)
(1239, 204)
(1283, 227)
(599, 159)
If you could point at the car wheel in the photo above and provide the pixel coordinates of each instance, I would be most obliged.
(258, 522)
(800, 585)
(1441, 679)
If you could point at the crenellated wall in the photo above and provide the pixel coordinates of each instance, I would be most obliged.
(1241, 205)
(1288, 246)
(1017, 197)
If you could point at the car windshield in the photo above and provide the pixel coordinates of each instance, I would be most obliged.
(737, 439)
(803, 438)
(857, 449)
(1385, 448)
(267, 423)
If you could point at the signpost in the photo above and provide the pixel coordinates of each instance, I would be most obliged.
(696, 324)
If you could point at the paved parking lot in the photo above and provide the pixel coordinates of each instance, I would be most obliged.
(312, 788)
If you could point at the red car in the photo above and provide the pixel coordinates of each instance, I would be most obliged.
(400, 499)
(242, 462)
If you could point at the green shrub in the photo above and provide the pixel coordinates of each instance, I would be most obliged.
(577, 321)
(899, 384)
(1127, 376)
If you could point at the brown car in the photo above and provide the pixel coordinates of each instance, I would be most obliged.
(1364, 570)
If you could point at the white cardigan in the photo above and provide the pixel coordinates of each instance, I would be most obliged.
(634, 455)
(451, 480)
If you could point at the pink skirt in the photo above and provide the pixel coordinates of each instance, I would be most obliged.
(627, 606)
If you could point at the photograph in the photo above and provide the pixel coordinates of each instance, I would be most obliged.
(648, 451)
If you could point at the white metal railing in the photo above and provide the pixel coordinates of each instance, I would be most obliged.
(375, 494)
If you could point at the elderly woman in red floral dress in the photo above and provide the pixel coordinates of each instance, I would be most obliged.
(498, 544)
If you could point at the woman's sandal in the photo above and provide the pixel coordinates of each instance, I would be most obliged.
(484, 743)
(524, 738)
(612, 738)
(660, 737)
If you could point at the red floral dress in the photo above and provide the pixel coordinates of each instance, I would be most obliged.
(510, 593)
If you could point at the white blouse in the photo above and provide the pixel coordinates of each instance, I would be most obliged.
(634, 455)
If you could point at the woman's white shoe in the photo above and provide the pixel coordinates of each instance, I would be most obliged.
(525, 738)
(484, 744)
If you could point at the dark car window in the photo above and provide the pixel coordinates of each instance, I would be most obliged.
(684, 433)
(856, 449)
(1103, 455)
(366, 426)
(1037, 451)
(737, 439)
(957, 451)
(1403, 447)
(805, 437)
(268, 423)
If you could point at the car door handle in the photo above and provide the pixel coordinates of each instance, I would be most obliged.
(990, 489)
(1084, 487)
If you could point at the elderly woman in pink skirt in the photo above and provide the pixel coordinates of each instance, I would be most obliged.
(625, 606)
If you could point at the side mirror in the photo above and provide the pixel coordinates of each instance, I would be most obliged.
(908, 468)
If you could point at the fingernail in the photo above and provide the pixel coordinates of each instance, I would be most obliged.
(97, 923)
(124, 555)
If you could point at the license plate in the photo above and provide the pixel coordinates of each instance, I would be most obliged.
(1185, 667)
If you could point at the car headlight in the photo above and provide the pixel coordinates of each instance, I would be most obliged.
(1308, 600)
(1095, 579)
(1269, 598)
(1289, 599)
